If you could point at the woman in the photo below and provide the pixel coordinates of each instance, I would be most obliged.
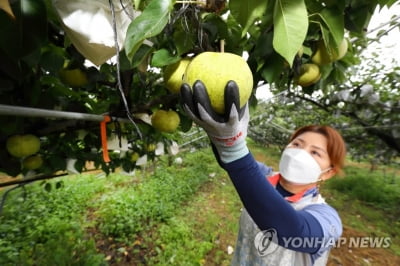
(285, 221)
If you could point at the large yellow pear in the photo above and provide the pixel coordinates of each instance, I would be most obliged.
(173, 75)
(165, 121)
(215, 69)
(323, 55)
(309, 74)
(23, 145)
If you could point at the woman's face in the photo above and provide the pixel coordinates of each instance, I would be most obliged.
(316, 145)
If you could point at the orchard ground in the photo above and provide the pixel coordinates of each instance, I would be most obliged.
(210, 217)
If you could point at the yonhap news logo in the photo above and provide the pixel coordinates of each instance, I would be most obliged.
(349, 242)
(364, 242)
(266, 242)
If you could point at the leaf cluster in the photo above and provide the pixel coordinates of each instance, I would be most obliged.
(35, 48)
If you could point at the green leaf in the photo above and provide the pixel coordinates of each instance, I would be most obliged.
(186, 123)
(136, 4)
(47, 187)
(9, 66)
(52, 58)
(313, 6)
(327, 38)
(331, 39)
(272, 68)
(290, 27)
(357, 19)
(163, 57)
(27, 32)
(150, 23)
(33, 23)
(59, 184)
(389, 3)
(141, 54)
(246, 12)
(334, 21)
(233, 38)
(217, 26)
(264, 46)
(183, 41)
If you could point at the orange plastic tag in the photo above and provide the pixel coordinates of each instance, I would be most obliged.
(103, 135)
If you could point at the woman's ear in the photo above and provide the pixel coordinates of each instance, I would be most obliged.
(328, 174)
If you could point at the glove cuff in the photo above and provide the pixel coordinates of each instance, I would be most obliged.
(229, 154)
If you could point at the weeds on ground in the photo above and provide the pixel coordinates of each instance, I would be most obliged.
(164, 207)
(39, 227)
(132, 209)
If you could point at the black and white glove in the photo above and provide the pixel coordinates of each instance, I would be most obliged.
(227, 131)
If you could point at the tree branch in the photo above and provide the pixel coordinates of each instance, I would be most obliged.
(167, 101)
(389, 140)
(29, 180)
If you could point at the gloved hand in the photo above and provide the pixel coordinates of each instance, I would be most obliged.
(228, 131)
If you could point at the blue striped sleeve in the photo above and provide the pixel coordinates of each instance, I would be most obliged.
(268, 208)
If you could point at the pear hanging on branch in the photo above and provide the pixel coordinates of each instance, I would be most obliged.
(215, 69)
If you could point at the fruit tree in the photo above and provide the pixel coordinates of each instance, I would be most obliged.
(52, 59)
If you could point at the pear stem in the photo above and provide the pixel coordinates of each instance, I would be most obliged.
(199, 2)
(222, 46)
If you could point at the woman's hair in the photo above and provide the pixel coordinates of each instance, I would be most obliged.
(336, 147)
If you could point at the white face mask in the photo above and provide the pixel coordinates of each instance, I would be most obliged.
(299, 167)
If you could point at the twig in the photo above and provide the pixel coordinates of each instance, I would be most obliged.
(199, 2)
(29, 180)
(4, 197)
(118, 71)
(384, 24)
(222, 46)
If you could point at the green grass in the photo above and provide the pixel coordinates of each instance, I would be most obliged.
(367, 202)
(200, 233)
(132, 209)
(369, 187)
(43, 227)
(117, 207)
